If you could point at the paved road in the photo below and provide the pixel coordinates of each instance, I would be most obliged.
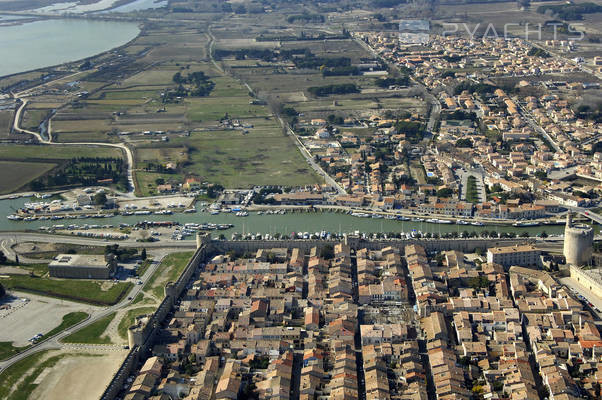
(311, 161)
(54, 342)
(436, 105)
(11, 237)
(48, 141)
(529, 118)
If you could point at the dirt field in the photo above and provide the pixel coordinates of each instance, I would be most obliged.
(17, 174)
(40, 315)
(78, 377)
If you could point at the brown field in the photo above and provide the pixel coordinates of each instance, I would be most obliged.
(6, 118)
(16, 174)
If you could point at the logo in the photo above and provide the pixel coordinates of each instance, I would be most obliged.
(414, 31)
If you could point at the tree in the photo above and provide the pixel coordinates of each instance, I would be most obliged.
(2, 291)
(445, 192)
(143, 254)
(3, 258)
(327, 252)
(100, 199)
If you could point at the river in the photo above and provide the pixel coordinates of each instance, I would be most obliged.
(45, 43)
(287, 223)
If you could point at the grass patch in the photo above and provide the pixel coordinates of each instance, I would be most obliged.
(56, 152)
(32, 363)
(264, 156)
(10, 376)
(471, 190)
(141, 269)
(139, 299)
(69, 320)
(82, 291)
(170, 269)
(92, 334)
(7, 350)
(129, 317)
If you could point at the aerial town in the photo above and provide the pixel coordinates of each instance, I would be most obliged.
(300, 200)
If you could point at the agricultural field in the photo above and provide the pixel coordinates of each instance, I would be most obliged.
(22, 164)
(16, 174)
(229, 131)
(6, 117)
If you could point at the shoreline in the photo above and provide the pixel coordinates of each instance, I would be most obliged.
(139, 25)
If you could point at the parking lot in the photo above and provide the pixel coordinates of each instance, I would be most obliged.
(589, 296)
(30, 315)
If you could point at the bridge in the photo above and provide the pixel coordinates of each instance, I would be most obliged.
(587, 214)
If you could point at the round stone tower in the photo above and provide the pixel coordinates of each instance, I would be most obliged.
(578, 243)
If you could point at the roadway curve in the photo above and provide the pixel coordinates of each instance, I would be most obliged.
(48, 141)
(9, 238)
(54, 342)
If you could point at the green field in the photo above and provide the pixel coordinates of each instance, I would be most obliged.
(55, 152)
(22, 164)
(13, 374)
(91, 292)
(129, 317)
(20, 377)
(261, 157)
(92, 334)
(5, 122)
(8, 350)
(168, 271)
(471, 190)
(69, 320)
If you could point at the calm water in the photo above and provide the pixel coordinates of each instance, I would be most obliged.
(45, 43)
(287, 223)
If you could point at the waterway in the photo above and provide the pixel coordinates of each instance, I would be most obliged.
(282, 223)
(45, 43)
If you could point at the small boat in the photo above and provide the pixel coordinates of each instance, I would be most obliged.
(477, 223)
(462, 222)
(525, 224)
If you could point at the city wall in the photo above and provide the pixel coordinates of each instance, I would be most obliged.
(466, 245)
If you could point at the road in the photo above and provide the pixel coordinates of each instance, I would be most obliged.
(533, 124)
(310, 160)
(48, 141)
(9, 238)
(583, 291)
(435, 104)
(54, 342)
